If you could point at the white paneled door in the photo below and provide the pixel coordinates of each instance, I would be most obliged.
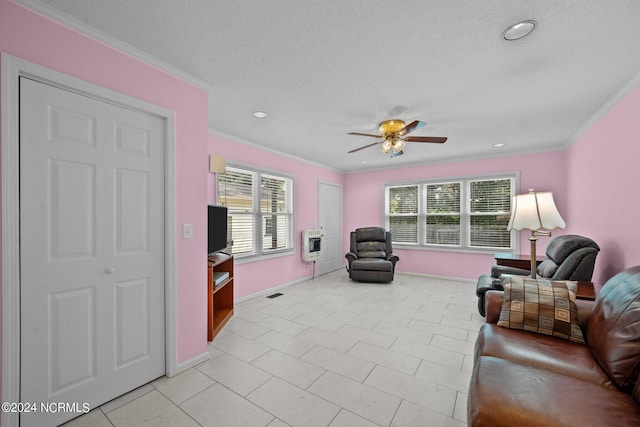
(330, 215)
(91, 251)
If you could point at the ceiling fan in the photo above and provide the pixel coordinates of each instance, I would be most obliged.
(393, 136)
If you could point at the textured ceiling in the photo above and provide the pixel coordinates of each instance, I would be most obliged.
(322, 69)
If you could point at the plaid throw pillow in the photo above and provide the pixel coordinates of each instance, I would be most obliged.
(542, 306)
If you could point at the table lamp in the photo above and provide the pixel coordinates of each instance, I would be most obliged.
(536, 212)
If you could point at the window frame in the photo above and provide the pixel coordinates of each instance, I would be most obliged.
(465, 213)
(258, 215)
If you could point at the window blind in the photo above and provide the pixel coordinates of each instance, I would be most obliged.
(464, 213)
(490, 208)
(443, 213)
(238, 196)
(260, 210)
(402, 213)
(275, 212)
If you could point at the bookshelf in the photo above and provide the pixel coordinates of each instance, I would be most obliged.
(219, 295)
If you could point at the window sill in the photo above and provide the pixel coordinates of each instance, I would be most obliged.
(452, 249)
(245, 259)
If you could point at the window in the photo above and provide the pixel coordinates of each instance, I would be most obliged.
(464, 213)
(442, 209)
(403, 213)
(490, 209)
(260, 211)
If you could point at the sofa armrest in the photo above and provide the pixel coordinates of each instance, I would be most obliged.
(499, 270)
(393, 258)
(585, 308)
(350, 256)
(493, 303)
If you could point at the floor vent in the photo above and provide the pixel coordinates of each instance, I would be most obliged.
(278, 294)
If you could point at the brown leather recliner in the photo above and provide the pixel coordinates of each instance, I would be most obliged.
(371, 257)
(569, 257)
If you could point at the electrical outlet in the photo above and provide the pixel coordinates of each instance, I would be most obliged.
(187, 231)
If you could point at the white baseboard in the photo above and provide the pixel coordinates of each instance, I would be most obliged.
(434, 276)
(271, 290)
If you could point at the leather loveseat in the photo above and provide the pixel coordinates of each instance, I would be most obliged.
(524, 379)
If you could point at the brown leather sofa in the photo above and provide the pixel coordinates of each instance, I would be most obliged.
(527, 379)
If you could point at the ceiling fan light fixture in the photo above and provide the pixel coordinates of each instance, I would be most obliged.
(392, 133)
(519, 30)
(398, 146)
(386, 146)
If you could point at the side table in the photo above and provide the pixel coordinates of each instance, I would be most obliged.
(586, 291)
(516, 260)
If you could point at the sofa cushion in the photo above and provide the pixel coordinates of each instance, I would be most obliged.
(372, 264)
(539, 305)
(541, 351)
(371, 233)
(613, 331)
(372, 249)
(504, 393)
(561, 247)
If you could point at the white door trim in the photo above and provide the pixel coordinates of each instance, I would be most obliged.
(12, 69)
(339, 186)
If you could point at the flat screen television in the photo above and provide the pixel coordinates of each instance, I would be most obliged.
(217, 228)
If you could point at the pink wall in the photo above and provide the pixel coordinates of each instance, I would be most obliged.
(40, 40)
(603, 174)
(575, 175)
(252, 277)
(364, 205)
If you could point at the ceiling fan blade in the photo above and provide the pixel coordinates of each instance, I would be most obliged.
(417, 124)
(364, 146)
(364, 134)
(434, 139)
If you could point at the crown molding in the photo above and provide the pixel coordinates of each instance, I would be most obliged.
(111, 41)
(625, 90)
(271, 150)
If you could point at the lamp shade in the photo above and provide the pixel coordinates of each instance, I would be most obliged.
(534, 211)
(217, 164)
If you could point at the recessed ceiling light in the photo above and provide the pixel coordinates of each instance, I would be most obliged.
(498, 145)
(519, 30)
(260, 114)
(364, 162)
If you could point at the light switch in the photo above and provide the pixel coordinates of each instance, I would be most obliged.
(187, 231)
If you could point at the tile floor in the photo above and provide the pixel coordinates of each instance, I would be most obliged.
(328, 352)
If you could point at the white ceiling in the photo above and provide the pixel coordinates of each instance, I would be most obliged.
(322, 69)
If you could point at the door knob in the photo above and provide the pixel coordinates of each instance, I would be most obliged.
(110, 270)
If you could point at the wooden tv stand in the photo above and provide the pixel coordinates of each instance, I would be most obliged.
(219, 298)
